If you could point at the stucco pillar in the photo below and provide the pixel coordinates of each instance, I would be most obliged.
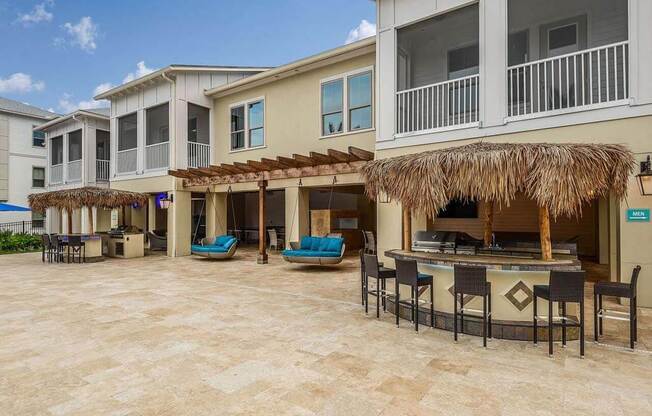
(389, 229)
(297, 213)
(216, 214)
(151, 213)
(53, 221)
(84, 221)
(179, 224)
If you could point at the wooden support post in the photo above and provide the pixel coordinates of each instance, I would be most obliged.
(70, 221)
(90, 220)
(407, 230)
(544, 232)
(488, 222)
(262, 246)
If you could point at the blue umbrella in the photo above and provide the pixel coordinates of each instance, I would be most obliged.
(12, 208)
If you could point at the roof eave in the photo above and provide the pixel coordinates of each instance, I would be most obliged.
(67, 117)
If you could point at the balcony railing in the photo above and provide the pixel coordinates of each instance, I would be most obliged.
(199, 155)
(74, 173)
(591, 78)
(157, 155)
(101, 170)
(127, 160)
(56, 174)
(448, 104)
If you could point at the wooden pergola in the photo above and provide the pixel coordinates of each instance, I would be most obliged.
(333, 162)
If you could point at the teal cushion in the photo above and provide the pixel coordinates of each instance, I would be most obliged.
(222, 240)
(306, 242)
(208, 249)
(309, 253)
(229, 243)
(323, 244)
(316, 242)
(335, 244)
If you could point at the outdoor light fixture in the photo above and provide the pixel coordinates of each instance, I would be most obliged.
(645, 177)
(165, 202)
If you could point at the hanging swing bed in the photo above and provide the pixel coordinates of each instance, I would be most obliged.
(320, 251)
(219, 247)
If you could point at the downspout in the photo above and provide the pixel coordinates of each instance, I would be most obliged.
(172, 243)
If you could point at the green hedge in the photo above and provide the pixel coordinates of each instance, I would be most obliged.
(14, 243)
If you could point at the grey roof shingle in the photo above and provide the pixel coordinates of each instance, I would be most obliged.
(11, 106)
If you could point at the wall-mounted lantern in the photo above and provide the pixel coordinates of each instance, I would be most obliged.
(645, 177)
(166, 201)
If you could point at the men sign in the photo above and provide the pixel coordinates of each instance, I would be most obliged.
(638, 215)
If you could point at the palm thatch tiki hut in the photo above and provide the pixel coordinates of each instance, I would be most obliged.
(89, 196)
(559, 177)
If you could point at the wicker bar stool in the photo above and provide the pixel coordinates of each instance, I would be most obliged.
(564, 287)
(373, 269)
(472, 280)
(363, 274)
(408, 274)
(620, 290)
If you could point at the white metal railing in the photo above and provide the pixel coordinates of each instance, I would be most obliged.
(199, 155)
(437, 106)
(101, 170)
(74, 172)
(127, 160)
(157, 155)
(579, 80)
(56, 174)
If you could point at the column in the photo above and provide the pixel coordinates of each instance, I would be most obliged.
(151, 213)
(216, 214)
(262, 240)
(544, 232)
(407, 229)
(297, 213)
(66, 222)
(179, 224)
(493, 59)
(85, 221)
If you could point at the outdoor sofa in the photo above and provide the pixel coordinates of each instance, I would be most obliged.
(221, 247)
(316, 250)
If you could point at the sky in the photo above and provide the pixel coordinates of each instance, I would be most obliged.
(58, 54)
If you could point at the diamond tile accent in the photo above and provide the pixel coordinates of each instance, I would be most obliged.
(520, 295)
(467, 298)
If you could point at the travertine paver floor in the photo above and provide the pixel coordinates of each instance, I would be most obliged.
(161, 336)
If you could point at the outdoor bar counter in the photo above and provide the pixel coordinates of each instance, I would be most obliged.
(92, 246)
(512, 279)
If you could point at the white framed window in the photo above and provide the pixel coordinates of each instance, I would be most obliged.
(38, 138)
(247, 124)
(38, 177)
(563, 39)
(346, 102)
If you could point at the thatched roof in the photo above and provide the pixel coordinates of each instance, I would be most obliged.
(559, 176)
(69, 199)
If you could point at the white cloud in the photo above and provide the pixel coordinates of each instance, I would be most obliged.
(38, 14)
(105, 86)
(67, 104)
(141, 71)
(82, 34)
(21, 83)
(364, 30)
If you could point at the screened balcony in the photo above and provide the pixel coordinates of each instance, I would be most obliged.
(127, 154)
(102, 155)
(199, 149)
(157, 149)
(566, 56)
(56, 160)
(438, 73)
(74, 168)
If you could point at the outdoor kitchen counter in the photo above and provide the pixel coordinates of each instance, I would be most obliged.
(494, 262)
(512, 280)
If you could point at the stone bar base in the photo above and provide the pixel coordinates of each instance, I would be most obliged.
(512, 330)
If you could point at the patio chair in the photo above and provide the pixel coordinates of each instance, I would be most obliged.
(316, 250)
(565, 286)
(619, 290)
(472, 280)
(218, 248)
(373, 269)
(156, 241)
(370, 242)
(274, 240)
(49, 249)
(408, 274)
(78, 249)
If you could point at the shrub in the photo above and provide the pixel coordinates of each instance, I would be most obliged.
(10, 242)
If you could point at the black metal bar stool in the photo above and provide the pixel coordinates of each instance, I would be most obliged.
(472, 280)
(363, 274)
(408, 274)
(373, 269)
(564, 287)
(620, 290)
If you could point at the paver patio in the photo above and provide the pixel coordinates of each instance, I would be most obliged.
(185, 336)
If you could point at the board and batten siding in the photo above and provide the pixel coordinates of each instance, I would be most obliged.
(4, 158)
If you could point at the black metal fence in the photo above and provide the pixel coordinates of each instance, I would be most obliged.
(24, 227)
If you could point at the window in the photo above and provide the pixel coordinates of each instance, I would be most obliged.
(340, 115)
(38, 138)
(158, 124)
(562, 40)
(127, 132)
(248, 125)
(459, 209)
(331, 107)
(517, 48)
(38, 177)
(38, 219)
(463, 62)
(102, 151)
(74, 145)
(198, 122)
(56, 157)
